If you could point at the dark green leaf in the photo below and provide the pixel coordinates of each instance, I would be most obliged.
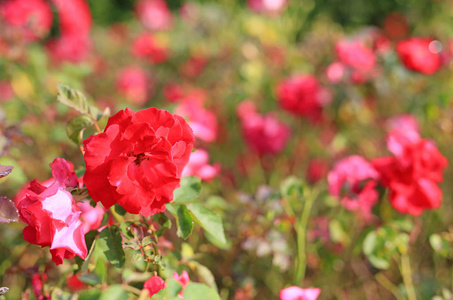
(197, 291)
(90, 278)
(163, 221)
(209, 220)
(119, 210)
(189, 191)
(126, 230)
(76, 126)
(111, 244)
(184, 222)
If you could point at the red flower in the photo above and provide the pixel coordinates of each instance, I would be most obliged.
(413, 173)
(32, 17)
(138, 160)
(417, 55)
(51, 214)
(74, 284)
(148, 47)
(301, 95)
(154, 285)
(265, 134)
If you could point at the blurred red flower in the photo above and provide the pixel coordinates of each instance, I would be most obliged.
(138, 160)
(301, 95)
(32, 17)
(418, 54)
(51, 214)
(148, 47)
(358, 58)
(133, 84)
(412, 173)
(154, 285)
(74, 284)
(265, 134)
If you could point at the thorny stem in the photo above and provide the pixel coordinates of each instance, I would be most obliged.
(407, 276)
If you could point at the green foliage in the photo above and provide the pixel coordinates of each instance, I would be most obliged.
(111, 244)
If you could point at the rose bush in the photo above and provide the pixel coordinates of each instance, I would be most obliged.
(138, 160)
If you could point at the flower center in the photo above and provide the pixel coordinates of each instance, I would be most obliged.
(139, 158)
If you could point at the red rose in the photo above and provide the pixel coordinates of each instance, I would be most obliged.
(154, 285)
(301, 95)
(413, 173)
(416, 54)
(138, 160)
(148, 47)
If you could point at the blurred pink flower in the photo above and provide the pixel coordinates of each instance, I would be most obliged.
(51, 214)
(194, 66)
(335, 72)
(91, 216)
(6, 91)
(37, 284)
(418, 54)
(133, 84)
(146, 46)
(202, 121)
(265, 134)
(183, 280)
(72, 48)
(32, 17)
(272, 7)
(297, 293)
(354, 180)
(154, 14)
(316, 170)
(360, 59)
(301, 95)
(413, 172)
(405, 122)
(198, 165)
(154, 285)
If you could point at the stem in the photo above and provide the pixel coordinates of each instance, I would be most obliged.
(301, 230)
(97, 127)
(388, 285)
(407, 276)
(132, 289)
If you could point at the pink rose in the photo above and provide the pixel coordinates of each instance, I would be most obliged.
(154, 285)
(354, 180)
(297, 293)
(154, 14)
(51, 214)
(199, 166)
(148, 47)
(133, 84)
(265, 134)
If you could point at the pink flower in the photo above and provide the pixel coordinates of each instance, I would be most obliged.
(133, 84)
(417, 55)
(198, 165)
(301, 95)
(405, 122)
(72, 48)
(6, 91)
(183, 280)
(37, 284)
(51, 214)
(202, 121)
(154, 14)
(354, 180)
(297, 293)
(265, 134)
(148, 47)
(335, 72)
(32, 17)
(154, 285)
(360, 59)
(272, 7)
(412, 173)
(91, 216)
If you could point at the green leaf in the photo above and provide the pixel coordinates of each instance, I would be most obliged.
(90, 295)
(197, 291)
(76, 126)
(110, 242)
(77, 100)
(126, 230)
(189, 191)
(86, 262)
(114, 292)
(163, 221)
(90, 278)
(292, 186)
(205, 274)
(184, 222)
(209, 220)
